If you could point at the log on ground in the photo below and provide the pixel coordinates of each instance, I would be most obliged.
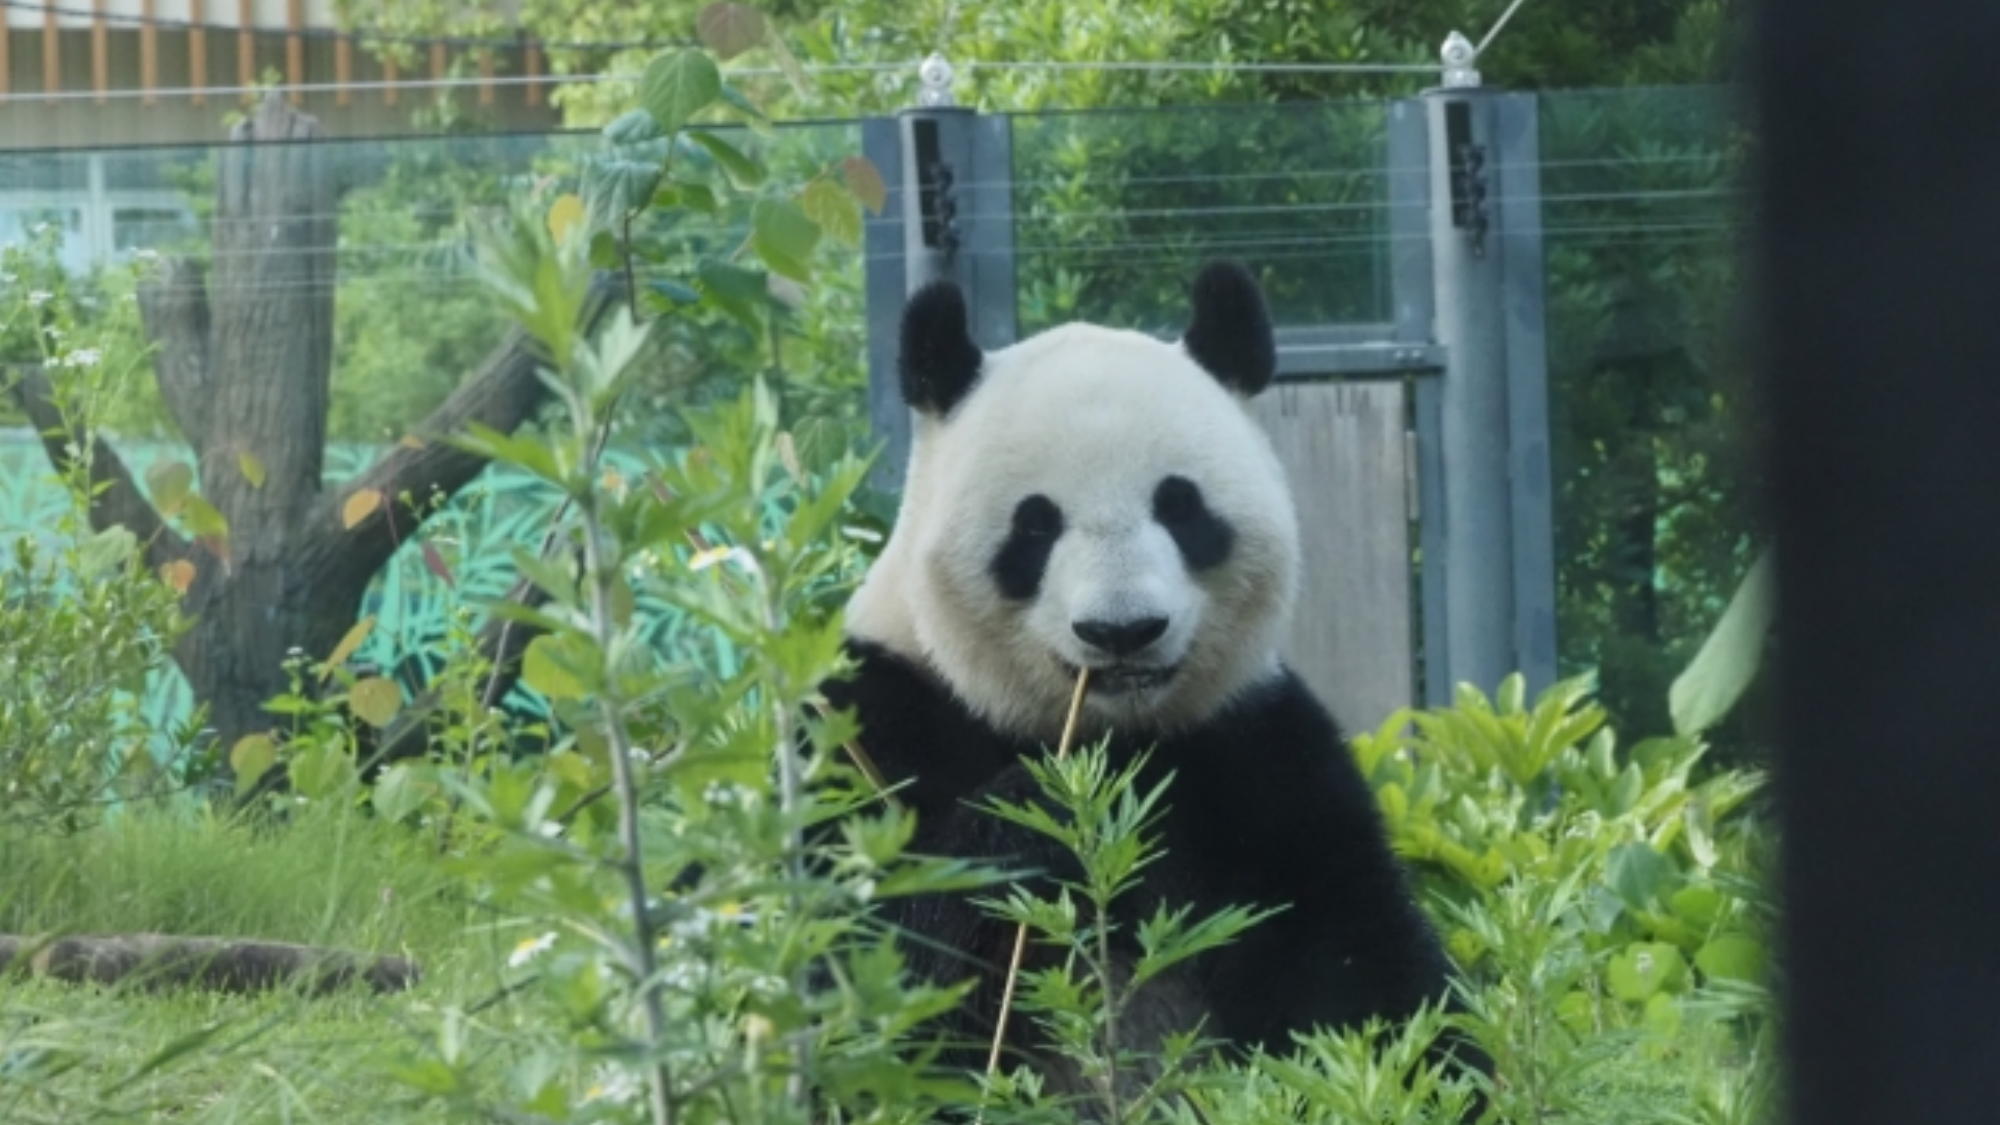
(224, 964)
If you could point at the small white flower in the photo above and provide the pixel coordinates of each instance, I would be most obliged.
(722, 794)
(39, 229)
(703, 922)
(39, 297)
(613, 1085)
(530, 948)
(83, 357)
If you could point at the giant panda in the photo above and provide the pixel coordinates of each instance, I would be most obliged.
(1099, 498)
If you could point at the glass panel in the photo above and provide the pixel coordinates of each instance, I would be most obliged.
(1642, 212)
(44, 171)
(1115, 211)
(412, 321)
(134, 228)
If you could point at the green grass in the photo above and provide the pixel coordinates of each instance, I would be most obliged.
(72, 1053)
(331, 876)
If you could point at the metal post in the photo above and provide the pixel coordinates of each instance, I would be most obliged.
(1517, 162)
(951, 171)
(1488, 559)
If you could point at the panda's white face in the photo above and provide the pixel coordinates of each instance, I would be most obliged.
(1096, 500)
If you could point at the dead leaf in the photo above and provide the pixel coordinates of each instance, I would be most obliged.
(434, 562)
(359, 506)
(865, 181)
(349, 643)
(179, 574)
(729, 29)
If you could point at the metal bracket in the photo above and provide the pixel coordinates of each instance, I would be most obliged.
(1457, 57)
(935, 75)
(1357, 359)
(1468, 176)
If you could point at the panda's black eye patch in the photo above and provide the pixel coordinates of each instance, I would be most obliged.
(1017, 567)
(1203, 537)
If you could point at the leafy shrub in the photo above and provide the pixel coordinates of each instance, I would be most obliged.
(82, 624)
(1595, 896)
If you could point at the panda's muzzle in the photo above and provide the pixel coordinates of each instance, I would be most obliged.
(1121, 679)
(1119, 641)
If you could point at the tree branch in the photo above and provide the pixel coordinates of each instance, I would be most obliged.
(502, 394)
(501, 643)
(117, 499)
(174, 309)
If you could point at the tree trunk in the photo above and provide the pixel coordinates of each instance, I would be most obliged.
(258, 401)
(243, 359)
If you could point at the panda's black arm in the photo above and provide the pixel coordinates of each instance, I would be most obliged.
(1303, 831)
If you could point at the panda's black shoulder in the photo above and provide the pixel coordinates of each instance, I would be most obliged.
(915, 730)
(1277, 750)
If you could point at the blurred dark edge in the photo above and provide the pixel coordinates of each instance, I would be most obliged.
(1878, 260)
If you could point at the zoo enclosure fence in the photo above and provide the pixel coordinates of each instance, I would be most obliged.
(1498, 317)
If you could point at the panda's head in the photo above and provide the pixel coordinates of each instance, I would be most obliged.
(1095, 498)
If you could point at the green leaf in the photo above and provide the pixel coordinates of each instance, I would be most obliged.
(105, 550)
(1642, 969)
(556, 667)
(1696, 904)
(397, 793)
(694, 197)
(737, 291)
(522, 450)
(784, 237)
(834, 209)
(677, 85)
(321, 770)
(252, 755)
(743, 169)
(564, 214)
(1577, 1012)
(729, 29)
(1727, 662)
(169, 482)
(674, 291)
(1732, 957)
(1662, 1015)
(633, 127)
(1637, 873)
(251, 467)
(740, 102)
(376, 700)
(1166, 941)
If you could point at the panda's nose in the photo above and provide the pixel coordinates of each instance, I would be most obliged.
(1121, 638)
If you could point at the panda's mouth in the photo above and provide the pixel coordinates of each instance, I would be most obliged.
(1122, 679)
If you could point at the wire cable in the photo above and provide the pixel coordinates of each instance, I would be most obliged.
(1480, 48)
(452, 83)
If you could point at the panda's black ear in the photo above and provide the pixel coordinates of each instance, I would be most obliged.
(1230, 333)
(938, 363)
